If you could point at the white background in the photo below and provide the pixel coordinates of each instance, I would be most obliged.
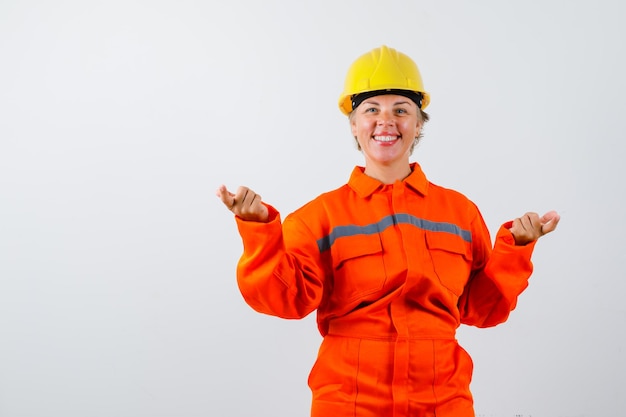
(119, 119)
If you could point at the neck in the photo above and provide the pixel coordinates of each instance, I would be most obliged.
(388, 174)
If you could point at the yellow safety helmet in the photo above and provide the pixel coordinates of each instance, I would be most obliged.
(382, 70)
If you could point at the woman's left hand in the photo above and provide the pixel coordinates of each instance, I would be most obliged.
(531, 227)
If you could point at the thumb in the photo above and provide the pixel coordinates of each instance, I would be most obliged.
(549, 221)
(226, 196)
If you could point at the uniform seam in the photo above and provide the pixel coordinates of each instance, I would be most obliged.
(356, 380)
(434, 381)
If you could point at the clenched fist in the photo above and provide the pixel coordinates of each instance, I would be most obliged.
(245, 203)
(531, 227)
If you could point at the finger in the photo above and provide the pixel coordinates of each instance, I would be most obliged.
(243, 196)
(549, 221)
(549, 216)
(226, 196)
(222, 192)
(251, 200)
(529, 228)
(517, 226)
(525, 222)
(249, 205)
(530, 222)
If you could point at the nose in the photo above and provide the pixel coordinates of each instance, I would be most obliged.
(386, 119)
(386, 116)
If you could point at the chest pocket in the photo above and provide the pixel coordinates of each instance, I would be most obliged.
(452, 259)
(358, 266)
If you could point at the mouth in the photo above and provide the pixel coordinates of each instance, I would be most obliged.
(385, 138)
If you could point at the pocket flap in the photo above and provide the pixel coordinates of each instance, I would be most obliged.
(347, 248)
(448, 242)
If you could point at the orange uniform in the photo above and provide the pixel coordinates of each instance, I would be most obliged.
(392, 271)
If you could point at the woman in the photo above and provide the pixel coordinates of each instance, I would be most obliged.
(392, 263)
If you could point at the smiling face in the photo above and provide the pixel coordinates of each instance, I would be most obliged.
(385, 127)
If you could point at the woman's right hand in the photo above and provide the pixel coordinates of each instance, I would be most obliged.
(245, 204)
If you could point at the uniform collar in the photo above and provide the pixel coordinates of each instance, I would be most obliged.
(365, 186)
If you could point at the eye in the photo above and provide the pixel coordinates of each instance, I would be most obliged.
(401, 111)
(370, 110)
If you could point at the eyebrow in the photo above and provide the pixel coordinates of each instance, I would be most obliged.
(371, 101)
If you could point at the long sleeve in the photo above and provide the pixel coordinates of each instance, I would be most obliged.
(279, 272)
(499, 277)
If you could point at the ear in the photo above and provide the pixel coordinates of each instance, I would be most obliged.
(353, 126)
(420, 123)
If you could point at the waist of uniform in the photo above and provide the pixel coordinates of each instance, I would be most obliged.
(384, 331)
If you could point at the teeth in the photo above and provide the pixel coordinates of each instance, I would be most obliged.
(385, 138)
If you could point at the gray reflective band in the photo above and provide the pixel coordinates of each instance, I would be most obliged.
(351, 230)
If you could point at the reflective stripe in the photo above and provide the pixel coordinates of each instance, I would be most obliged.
(351, 230)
